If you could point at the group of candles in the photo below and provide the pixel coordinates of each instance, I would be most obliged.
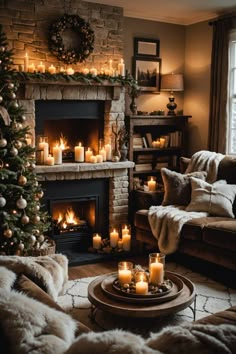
(123, 242)
(156, 273)
(41, 68)
(159, 143)
(104, 154)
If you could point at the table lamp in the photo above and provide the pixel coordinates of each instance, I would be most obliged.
(172, 82)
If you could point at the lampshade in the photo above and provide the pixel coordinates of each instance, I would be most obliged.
(172, 82)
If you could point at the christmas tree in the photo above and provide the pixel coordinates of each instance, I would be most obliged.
(23, 225)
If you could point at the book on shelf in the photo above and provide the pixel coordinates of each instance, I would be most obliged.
(149, 139)
(142, 158)
(143, 167)
(176, 138)
(160, 165)
(145, 143)
(137, 141)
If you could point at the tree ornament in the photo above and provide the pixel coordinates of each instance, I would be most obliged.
(33, 166)
(1, 99)
(2, 201)
(14, 151)
(21, 203)
(3, 143)
(36, 232)
(23, 118)
(36, 219)
(12, 95)
(32, 239)
(25, 219)
(41, 238)
(37, 207)
(22, 180)
(40, 194)
(21, 246)
(15, 104)
(2, 49)
(11, 85)
(7, 233)
(18, 144)
(20, 126)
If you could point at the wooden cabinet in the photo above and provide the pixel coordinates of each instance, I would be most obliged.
(155, 142)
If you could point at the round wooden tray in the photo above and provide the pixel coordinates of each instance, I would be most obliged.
(108, 288)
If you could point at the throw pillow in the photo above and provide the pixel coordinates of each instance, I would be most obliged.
(177, 186)
(216, 199)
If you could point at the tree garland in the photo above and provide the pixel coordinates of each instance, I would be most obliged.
(56, 43)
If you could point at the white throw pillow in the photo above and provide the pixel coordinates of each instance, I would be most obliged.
(216, 199)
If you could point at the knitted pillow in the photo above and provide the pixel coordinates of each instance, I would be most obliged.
(177, 186)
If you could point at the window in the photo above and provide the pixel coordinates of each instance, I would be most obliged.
(231, 143)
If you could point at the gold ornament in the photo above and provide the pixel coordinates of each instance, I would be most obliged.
(22, 180)
(40, 194)
(25, 219)
(7, 233)
(3, 143)
(41, 238)
(36, 232)
(21, 246)
(18, 144)
(36, 219)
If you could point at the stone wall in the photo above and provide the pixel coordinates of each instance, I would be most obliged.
(26, 25)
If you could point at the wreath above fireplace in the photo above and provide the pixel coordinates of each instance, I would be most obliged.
(71, 53)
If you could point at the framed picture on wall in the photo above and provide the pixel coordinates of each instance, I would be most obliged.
(147, 73)
(146, 47)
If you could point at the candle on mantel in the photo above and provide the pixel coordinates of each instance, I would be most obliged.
(85, 71)
(41, 68)
(124, 272)
(93, 71)
(70, 71)
(79, 153)
(108, 152)
(26, 62)
(43, 145)
(102, 152)
(88, 155)
(97, 241)
(57, 154)
(31, 68)
(152, 185)
(52, 69)
(156, 270)
(114, 236)
(141, 287)
(126, 242)
(93, 159)
(121, 68)
(99, 158)
(50, 160)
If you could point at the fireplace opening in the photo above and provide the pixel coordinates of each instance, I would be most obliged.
(74, 121)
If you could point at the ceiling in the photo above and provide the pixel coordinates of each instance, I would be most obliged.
(182, 12)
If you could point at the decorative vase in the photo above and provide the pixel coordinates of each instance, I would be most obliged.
(133, 106)
(123, 152)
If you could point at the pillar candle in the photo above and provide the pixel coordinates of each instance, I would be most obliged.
(41, 68)
(99, 158)
(97, 241)
(26, 62)
(151, 185)
(79, 153)
(110, 64)
(162, 142)
(85, 71)
(50, 160)
(93, 71)
(103, 153)
(125, 230)
(44, 147)
(114, 238)
(156, 270)
(57, 154)
(141, 287)
(52, 69)
(93, 159)
(108, 152)
(121, 67)
(31, 68)
(120, 243)
(126, 242)
(88, 155)
(124, 275)
(70, 71)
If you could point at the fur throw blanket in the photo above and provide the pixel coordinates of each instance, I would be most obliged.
(205, 161)
(166, 223)
(48, 272)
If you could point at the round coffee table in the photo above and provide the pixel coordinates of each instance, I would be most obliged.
(102, 300)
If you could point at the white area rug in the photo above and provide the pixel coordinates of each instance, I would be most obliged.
(211, 298)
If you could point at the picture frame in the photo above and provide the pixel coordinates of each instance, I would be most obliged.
(146, 47)
(147, 73)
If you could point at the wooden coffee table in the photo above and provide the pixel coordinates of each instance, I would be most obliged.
(109, 300)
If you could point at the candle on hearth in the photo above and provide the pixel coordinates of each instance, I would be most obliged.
(88, 155)
(93, 159)
(152, 185)
(97, 241)
(50, 160)
(26, 62)
(79, 153)
(114, 238)
(41, 68)
(125, 272)
(108, 152)
(121, 68)
(52, 69)
(99, 158)
(70, 71)
(31, 68)
(126, 242)
(141, 286)
(43, 145)
(102, 152)
(125, 230)
(156, 267)
(57, 154)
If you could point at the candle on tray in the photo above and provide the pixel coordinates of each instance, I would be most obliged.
(125, 272)
(41, 68)
(126, 242)
(121, 68)
(108, 152)
(97, 241)
(88, 155)
(50, 160)
(152, 185)
(52, 69)
(141, 287)
(57, 154)
(114, 238)
(79, 153)
(156, 267)
(26, 62)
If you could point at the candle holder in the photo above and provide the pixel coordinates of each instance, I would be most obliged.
(141, 276)
(125, 272)
(156, 267)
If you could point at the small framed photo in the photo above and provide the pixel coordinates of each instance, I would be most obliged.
(147, 73)
(146, 47)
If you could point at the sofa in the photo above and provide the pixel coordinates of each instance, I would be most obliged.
(32, 322)
(208, 238)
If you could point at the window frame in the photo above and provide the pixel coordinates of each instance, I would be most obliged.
(231, 93)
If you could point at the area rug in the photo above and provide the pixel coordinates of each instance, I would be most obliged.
(211, 298)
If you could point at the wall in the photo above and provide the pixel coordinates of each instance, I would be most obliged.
(197, 83)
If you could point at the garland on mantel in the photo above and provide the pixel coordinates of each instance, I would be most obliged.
(89, 79)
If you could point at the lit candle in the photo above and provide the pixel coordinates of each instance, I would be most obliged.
(156, 270)
(124, 274)
(79, 153)
(110, 64)
(141, 287)
(121, 68)
(114, 238)
(50, 160)
(120, 243)
(162, 142)
(103, 153)
(108, 152)
(152, 185)
(88, 155)
(57, 154)
(85, 71)
(99, 158)
(126, 242)
(93, 159)
(41, 68)
(62, 69)
(26, 62)
(31, 68)
(97, 241)
(93, 71)
(70, 71)
(125, 230)
(52, 69)
(43, 145)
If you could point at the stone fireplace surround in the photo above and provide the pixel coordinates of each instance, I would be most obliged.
(116, 172)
